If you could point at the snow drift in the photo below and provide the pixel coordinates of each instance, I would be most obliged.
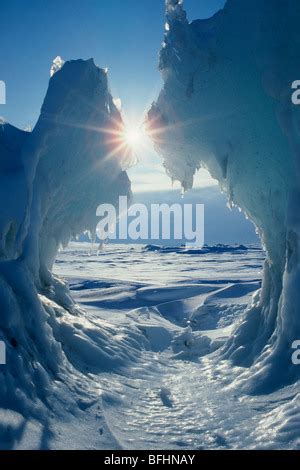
(52, 181)
(226, 106)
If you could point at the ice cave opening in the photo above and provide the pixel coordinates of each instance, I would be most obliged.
(225, 105)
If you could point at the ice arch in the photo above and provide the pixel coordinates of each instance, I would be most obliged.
(226, 105)
(51, 182)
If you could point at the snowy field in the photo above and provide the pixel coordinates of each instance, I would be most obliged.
(142, 347)
(170, 309)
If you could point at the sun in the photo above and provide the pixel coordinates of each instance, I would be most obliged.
(133, 137)
(128, 140)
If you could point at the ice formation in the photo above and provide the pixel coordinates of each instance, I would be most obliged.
(57, 64)
(52, 180)
(226, 105)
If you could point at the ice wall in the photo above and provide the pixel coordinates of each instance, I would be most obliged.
(77, 166)
(226, 105)
(52, 181)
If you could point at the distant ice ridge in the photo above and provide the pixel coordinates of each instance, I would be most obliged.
(185, 250)
(226, 105)
(51, 182)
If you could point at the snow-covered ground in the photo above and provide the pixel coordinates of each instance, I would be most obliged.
(142, 354)
(173, 308)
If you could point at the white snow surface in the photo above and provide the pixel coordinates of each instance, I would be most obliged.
(143, 351)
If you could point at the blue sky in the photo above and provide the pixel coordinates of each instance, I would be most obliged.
(123, 35)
